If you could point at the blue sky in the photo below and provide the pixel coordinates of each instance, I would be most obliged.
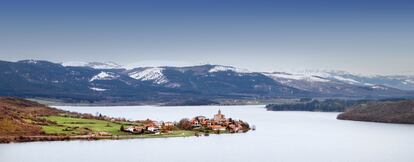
(370, 37)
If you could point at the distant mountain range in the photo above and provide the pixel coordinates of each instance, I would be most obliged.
(110, 82)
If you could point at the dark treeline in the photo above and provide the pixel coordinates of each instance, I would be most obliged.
(329, 105)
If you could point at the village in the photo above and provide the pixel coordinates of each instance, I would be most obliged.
(218, 124)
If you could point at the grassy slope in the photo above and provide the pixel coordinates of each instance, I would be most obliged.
(19, 117)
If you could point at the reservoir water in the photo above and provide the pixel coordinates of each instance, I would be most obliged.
(280, 136)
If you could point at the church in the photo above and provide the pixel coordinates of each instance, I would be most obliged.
(219, 117)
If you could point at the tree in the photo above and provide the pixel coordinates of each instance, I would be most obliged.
(165, 129)
(231, 120)
(245, 126)
(184, 124)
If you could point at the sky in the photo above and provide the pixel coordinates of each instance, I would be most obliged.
(366, 37)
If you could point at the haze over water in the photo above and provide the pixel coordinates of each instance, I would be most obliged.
(280, 136)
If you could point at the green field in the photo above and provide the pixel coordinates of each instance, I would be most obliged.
(78, 126)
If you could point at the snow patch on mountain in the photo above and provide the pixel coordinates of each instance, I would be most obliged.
(409, 81)
(154, 74)
(31, 61)
(311, 78)
(104, 76)
(219, 68)
(346, 80)
(95, 65)
(173, 85)
(368, 84)
(380, 87)
(75, 64)
(97, 89)
(104, 65)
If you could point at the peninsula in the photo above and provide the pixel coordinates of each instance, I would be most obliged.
(385, 112)
(24, 121)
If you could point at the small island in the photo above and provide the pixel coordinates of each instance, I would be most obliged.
(24, 121)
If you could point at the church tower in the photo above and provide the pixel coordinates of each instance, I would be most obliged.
(219, 117)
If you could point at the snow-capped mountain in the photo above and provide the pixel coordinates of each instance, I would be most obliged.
(333, 85)
(36, 78)
(404, 82)
(155, 74)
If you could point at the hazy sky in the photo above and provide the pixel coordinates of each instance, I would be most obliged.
(372, 37)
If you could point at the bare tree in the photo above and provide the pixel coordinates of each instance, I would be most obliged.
(184, 124)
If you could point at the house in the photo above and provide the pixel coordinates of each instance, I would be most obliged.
(218, 128)
(226, 123)
(153, 129)
(135, 129)
(235, 128)
(138, 129)
(169, 124)
(155, 123)
(206, 123)
(148, 123)
(195, 122)
(200, 118)
(129, 129)
(195, 126)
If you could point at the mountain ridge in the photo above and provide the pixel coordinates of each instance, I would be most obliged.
(404, 82)
(37, 78)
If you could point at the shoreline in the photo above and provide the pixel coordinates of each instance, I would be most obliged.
(235, 102)
(52, 138)
(26, 121)
(44, 138)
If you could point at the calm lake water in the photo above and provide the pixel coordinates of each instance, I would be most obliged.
(280, 136)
